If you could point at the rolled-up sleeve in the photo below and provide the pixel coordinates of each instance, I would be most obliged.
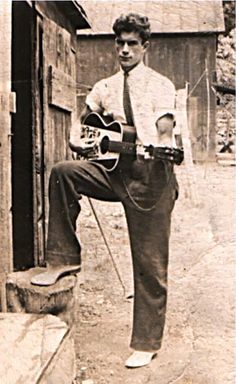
(94, 98)
(165, 102)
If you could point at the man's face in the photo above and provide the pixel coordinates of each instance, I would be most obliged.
(130, 49)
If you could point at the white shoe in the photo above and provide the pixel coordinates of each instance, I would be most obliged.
(139, 359)
(53, 273)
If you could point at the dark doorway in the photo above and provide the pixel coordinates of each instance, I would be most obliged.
(22, 127)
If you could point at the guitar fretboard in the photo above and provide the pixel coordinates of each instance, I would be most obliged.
(122, 147)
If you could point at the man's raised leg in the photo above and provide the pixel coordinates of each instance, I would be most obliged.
(70, 180)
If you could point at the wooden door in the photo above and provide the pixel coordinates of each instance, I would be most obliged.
(5, 149)
(22, 166)
(38, 145)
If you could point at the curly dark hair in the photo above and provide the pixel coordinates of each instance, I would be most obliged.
(133, 22)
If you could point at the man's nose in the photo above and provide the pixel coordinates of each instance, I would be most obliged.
(125, 48)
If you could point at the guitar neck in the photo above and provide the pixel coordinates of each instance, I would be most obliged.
(122, 147)
(174, 155)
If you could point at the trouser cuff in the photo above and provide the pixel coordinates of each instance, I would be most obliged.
(56, 259)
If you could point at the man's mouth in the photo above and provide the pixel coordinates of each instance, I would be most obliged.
(124, 58)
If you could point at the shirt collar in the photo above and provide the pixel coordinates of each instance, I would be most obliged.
(136, 71)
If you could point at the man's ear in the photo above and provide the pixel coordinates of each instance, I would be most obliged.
(146, 45)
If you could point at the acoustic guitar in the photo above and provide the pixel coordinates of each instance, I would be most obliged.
(112, 143)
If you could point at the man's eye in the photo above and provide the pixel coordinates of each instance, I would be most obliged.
(120, 42)
(131, 43)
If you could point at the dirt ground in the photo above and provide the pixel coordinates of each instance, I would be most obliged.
(198, 345)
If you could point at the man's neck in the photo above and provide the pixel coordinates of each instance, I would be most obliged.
(127, 70)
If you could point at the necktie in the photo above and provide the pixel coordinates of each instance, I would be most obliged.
(126, 101)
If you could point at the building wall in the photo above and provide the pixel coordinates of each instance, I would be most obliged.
(22, 165)
(6, 261)
(44, 79)
(54, 11)
(37, 106)
(56, 94)
(182, 58)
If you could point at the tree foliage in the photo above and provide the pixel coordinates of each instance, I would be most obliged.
(229, 15)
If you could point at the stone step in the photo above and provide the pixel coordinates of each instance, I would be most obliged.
(58, 299)
(35, 349)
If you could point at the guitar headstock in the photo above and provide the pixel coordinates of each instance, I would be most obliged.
(174, 155)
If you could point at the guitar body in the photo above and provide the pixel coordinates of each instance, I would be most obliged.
(106, 139)
(113, 144)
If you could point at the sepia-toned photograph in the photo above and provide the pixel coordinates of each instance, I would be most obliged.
(117, 192)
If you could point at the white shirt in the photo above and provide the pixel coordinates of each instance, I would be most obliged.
(152, 96)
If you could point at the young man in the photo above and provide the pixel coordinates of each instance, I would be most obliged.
(141, 97)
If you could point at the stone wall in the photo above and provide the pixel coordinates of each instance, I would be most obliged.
(225, 72)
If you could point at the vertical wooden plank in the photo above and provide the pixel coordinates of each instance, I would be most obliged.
(212, 46)
(59, 54)
(193, 120)
(6, 261)
(39, 230)
(187, 172)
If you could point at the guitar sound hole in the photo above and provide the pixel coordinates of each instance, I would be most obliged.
(104, 145)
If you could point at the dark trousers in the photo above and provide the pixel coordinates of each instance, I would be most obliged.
(148, 192)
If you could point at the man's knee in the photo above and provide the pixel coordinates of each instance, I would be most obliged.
(62, 168)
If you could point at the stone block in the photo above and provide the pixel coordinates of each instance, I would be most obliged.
(35, 349)
(58, 299)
